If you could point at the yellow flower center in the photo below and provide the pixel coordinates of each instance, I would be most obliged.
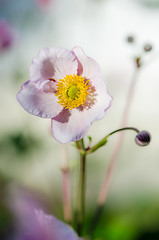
(72, 91)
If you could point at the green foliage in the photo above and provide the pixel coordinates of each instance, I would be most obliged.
(18, 144)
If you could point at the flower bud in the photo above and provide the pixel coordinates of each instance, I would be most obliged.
(143, 138)
(130, 39)
(147, 47)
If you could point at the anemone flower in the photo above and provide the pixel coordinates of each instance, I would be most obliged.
(31, 223)
(65, 86)
(42, 226)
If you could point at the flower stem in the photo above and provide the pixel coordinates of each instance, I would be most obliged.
(107, 180)
(95, 219)
(80, 212)
(104, 140)
(66, 186)
(111, 167)
(82, 188)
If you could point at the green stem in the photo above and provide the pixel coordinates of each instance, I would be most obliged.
(82, 144)
(82, 188)
(95, 219)
(77, 145)
(104, 140)
(80, 212)
(123, 129)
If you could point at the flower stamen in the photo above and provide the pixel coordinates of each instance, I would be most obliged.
(72, 91)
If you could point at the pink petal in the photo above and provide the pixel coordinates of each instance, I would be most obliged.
(54, 228)
(32, 223)
(63, 116)
(38, 102)
(53, 63)
(77, 124)
(73, 129)
(90, 67)
(102, 103)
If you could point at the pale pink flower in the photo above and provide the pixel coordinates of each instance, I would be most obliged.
(45, 227)
(65, 86)
(32, 223)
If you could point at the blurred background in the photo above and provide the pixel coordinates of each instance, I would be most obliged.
(30, 159)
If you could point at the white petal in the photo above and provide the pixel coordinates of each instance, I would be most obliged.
(54, 228)
(102, 103)
(73, 129)
(53, 63)
(90, 67)
(38, 102)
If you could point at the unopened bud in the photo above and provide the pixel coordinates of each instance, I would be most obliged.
(143, 138)
(147, 47)
(130, 39)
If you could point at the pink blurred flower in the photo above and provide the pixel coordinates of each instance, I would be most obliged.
(6, 35)
(65, 86)
(32, 223)
(41, 226)
(43, 3)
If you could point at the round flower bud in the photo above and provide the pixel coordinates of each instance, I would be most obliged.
(143, 138)
(147, 47)
(130, 39)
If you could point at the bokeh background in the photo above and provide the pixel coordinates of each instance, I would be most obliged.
(30, 159)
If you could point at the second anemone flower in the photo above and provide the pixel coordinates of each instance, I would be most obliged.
(65, 86)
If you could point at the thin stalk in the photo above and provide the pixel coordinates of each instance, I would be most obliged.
(82, 190)
(111, 167)
(95, 220)
(104, 140)
(66, 186)
(80, 211)
(78, 145)
(105, 186)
